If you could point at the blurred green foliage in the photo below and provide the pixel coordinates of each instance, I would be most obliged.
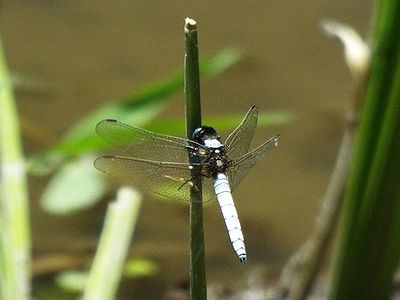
(71, 158)
(370, 231)
(81, 140)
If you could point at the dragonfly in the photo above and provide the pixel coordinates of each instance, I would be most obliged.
(169, 165)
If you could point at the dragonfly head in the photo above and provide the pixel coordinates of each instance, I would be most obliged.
(204, 133)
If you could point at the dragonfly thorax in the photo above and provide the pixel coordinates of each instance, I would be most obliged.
(215, 157)
(218, 163)
(205, 133)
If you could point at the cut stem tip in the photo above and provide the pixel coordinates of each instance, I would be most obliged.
(190, 24)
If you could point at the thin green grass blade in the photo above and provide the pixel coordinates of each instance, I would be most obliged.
(108, 265)
(139, 108)
(14, 200)
(221, 123)
(369, 244)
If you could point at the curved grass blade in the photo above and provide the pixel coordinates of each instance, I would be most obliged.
(141, 106)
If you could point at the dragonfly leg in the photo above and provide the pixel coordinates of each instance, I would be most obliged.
(183, 184)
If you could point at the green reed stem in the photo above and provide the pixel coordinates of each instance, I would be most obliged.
(198, 286)
(109, 262)
(15, 241)
(370, 240)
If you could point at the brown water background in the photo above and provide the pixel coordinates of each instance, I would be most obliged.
(84, 54)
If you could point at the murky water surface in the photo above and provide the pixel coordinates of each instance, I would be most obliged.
(83, 54)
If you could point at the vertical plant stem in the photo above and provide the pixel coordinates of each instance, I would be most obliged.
(301, 271)
(14, 210)
(368, 240)
(198, 289)
(109, 261)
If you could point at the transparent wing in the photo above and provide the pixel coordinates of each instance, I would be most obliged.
(238, 142)
(145, 144)
(207, 189)
(239, 168)
(168, 179)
